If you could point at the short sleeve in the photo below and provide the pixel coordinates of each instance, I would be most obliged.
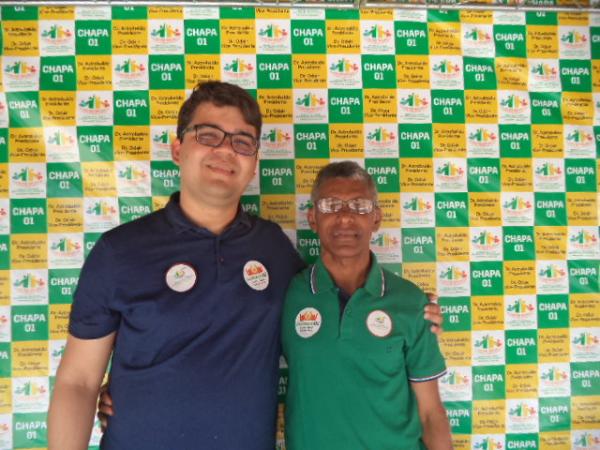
(91, 315)
(424, 359)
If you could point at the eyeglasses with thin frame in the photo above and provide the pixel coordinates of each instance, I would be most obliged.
(330, 205)
(213, 136)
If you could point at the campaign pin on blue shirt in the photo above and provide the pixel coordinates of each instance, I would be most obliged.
(181, 277)
(256, 275)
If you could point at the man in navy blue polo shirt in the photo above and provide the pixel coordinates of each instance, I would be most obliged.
(187, 300)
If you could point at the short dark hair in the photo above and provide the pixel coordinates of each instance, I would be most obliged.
(342, 169)
(220, 94)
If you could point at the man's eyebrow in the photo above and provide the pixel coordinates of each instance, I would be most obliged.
(214, 125)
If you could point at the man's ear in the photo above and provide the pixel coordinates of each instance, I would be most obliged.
(312, 220)
(377, 218)
(176, 151)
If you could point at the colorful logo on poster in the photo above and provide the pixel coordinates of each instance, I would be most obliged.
(544, 71)
(489, 345)
(586, 441)
(517, 204)
(273, 32)
(549, 171)
(583, 240)
(60, 139)
(344, 66)
(130, 67)
(27, 177)
(586, 340)
(455, 380)
(133, 174)
(446, 68)
(239, 68)
(522, 412)
(514, 103)
(453, 275)
(305, 206)
(66, 247)
(554, 376)
(414, 102)
(483, 137)
(580, 138)
(450, 171)
(377, 33)
(166, 33)
(574, 39)
(310, 101)
(164, 139)
(20, 70)
(59, 352)
(30, 389)
(486, 240)
(385, 241)
(520, 308)
(380, 136)
(417, 206)
(478, 35)
(101, 209)
(57, 34)
(552, 272)
(275, 138)
(29, 284)
(94, 104)
(488, 443)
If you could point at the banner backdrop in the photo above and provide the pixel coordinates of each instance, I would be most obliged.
(481, 130)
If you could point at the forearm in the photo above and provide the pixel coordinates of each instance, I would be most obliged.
(71, 416)
(436, 431)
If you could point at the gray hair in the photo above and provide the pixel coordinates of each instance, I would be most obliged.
(342, 169)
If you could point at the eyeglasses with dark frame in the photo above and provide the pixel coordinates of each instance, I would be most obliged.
(213, 136)
(330, 205)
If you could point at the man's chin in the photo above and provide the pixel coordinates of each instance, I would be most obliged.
(345, 249)
(222, 191)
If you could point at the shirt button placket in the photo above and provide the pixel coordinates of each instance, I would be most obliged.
(219, 258)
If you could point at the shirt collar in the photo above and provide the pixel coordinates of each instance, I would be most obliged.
(320, 280)
(178, 219)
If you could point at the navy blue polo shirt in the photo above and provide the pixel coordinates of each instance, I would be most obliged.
(195, 369)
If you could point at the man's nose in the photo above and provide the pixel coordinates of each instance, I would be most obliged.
(226, 144)
(345, 214)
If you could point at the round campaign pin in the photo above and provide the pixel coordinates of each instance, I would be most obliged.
(379, 323)
(181, 277)
(256, 275)
(308, 322)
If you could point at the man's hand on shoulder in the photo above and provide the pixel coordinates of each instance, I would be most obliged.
(433, 313)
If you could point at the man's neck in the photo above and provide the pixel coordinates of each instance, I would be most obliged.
(348, 274)
(212, 217)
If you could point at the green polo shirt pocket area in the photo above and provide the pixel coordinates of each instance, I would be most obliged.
(386, 355)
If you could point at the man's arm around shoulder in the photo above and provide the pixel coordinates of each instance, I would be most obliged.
(436, 430)
(78, 379)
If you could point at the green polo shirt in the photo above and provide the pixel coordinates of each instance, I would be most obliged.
(349, 375)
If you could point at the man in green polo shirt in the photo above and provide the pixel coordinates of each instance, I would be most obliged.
(363, 366)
